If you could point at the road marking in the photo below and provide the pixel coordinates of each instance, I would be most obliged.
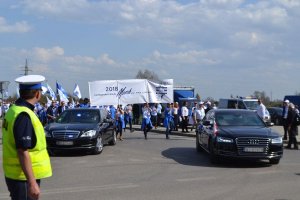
(196, 179)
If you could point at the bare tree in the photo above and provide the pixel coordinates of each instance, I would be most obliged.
(262, 95)
(146, 74)
(198, 97)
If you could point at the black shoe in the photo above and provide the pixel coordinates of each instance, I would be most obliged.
(296, 148)
(288, 147)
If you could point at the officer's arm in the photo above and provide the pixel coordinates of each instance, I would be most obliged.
(25, 161)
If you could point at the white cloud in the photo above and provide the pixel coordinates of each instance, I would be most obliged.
(45, 55)
(18, 27)
(289, 3)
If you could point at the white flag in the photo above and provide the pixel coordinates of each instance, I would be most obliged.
(48, 102)
(44, 90)
(62, 96)
(77, 92)
(52, 94)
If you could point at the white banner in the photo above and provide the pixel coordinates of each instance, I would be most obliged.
(131, 91)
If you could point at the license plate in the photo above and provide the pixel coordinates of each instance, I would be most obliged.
(65, 143)
(253, 149)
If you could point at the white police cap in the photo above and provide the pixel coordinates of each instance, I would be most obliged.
(30, 82)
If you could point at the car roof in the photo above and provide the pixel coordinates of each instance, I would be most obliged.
(232, 110)
(71, 109)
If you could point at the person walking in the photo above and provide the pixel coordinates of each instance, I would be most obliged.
(184, 116)
(200, 113)
(285, 110)
(292, 127)
(25, 157)
(192, 117)
(154, 115)
(159, 111)
(175, 115)
(128, 116)
(168, 121)
(120, 123)
(146, 123)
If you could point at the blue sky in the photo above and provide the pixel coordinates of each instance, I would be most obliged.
(221, 47)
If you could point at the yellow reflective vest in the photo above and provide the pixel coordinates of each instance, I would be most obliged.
(39, 156)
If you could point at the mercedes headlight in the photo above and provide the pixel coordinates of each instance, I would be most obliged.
(224, 140)
(47, 133)
(90, 133)
(277, 140)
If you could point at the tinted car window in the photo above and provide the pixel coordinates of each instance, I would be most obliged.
(252, 105)
(238, 119)
(79, 116)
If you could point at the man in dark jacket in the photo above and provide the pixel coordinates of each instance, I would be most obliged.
(292, 127)
(52, 112)
(61, 108)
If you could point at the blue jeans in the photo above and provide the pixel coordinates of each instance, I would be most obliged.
(18, 189)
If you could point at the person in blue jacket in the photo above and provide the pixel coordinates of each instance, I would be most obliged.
(112, 111)
(169, 120)
(120, 122)
(146, 123)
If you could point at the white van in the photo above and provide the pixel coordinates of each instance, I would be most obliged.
(241, 103)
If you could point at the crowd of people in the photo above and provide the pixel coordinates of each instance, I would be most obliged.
(290, 117)
(173, 116)
(25, 157)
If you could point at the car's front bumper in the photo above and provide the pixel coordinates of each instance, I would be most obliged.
(77, 144)
(230, 150)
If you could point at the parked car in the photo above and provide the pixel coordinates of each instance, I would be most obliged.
(238, 103)
(238, 133)
(86, 129)
(276, 115)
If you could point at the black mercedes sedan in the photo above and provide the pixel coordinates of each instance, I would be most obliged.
(86, 129)
(235, 133)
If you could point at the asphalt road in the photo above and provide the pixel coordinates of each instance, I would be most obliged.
(138, 169)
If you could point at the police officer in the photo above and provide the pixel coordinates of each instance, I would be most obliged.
(25, 157)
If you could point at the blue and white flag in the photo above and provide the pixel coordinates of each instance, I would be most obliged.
(44, 90)
(51, 93)
(49, 102)
(63, 95)
(77, 92)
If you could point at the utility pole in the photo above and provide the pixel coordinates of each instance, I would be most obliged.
(26, 69)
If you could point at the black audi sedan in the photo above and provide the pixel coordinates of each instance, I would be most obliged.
(235, 133)
(87, 129)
